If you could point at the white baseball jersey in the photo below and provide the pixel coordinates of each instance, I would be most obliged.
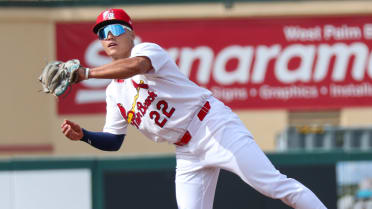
(160, 103)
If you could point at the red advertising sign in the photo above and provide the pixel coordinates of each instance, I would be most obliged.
(291, 63)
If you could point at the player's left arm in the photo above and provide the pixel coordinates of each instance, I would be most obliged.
(122, 68)
(100, 140)
(103, 140)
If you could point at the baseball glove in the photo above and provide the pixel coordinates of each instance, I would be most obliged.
(58, 76)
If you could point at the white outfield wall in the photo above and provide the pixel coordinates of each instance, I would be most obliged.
(46, 189)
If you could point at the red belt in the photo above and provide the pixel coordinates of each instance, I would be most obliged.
(201, 115)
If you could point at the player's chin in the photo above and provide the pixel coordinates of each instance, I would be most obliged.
(116, 53)
(111, 52)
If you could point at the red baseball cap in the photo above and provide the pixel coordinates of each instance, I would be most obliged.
(112, 16)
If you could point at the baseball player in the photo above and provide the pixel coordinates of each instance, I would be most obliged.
(149, 92)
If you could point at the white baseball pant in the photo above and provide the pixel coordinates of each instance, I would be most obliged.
(222, 141)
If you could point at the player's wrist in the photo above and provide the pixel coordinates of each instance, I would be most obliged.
(87, 72)
(83, 135)
(81, 74)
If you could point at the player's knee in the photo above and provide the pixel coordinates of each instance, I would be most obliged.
(284, 188)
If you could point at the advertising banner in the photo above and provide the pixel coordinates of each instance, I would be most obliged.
(248, 63)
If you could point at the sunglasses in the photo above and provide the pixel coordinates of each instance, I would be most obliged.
(115, 29)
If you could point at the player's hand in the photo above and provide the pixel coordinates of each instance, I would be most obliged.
(72, 130)
(57, 76)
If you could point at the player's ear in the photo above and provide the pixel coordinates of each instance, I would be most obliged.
(132, 35)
